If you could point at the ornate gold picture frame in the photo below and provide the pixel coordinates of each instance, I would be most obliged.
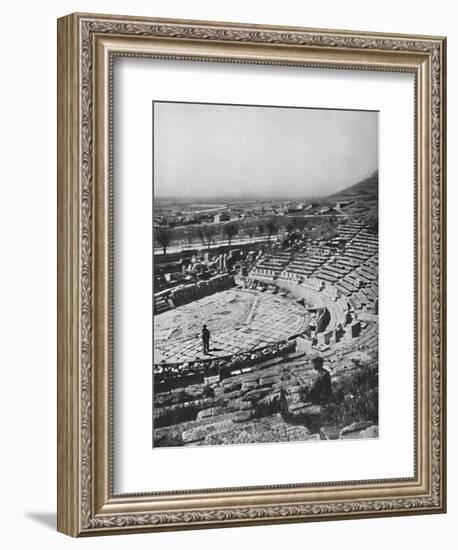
(87, 46)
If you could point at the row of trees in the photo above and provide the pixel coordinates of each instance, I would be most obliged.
(209, 234)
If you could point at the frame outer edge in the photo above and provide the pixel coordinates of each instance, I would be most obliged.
(75, 278)
(68, 395)
(443, 282)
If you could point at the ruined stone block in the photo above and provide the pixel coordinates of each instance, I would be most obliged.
(353, 430)
(329, 432)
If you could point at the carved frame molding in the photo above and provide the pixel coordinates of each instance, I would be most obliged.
(87, 45)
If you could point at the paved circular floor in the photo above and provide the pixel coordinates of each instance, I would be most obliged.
(238, 320)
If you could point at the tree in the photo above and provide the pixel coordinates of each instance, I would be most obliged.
(201, 233)
(290, 228)
(250, 232)
(209, 235)
(261, 228)
(163, 237)
(230, 230)
(304, 223)
(190, 236)
(272, 228)
(295, 223)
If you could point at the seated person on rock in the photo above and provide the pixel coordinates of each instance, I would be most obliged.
(320, 392)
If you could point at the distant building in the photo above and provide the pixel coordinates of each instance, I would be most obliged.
(221, 217)
(205, 218)
(290, 209)
(170, 220)
(322, 210)
(342, 204)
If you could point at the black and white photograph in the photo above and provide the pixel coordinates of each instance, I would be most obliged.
(265, 236)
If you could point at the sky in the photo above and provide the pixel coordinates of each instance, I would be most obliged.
(230, 151)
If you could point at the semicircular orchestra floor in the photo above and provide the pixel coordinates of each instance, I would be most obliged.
(238, 320)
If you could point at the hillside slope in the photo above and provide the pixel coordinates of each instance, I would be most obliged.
(367, 186)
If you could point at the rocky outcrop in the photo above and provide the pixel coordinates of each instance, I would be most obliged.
(329, 432)
(359, 430)
(268, 430)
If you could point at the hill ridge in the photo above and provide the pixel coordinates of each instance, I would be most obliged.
(367, 186)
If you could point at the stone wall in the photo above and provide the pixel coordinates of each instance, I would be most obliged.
(184, 294)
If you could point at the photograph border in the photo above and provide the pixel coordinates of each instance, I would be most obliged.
(87, 46)
(245, 105)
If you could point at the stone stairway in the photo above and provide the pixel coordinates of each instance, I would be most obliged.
(161, 304)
